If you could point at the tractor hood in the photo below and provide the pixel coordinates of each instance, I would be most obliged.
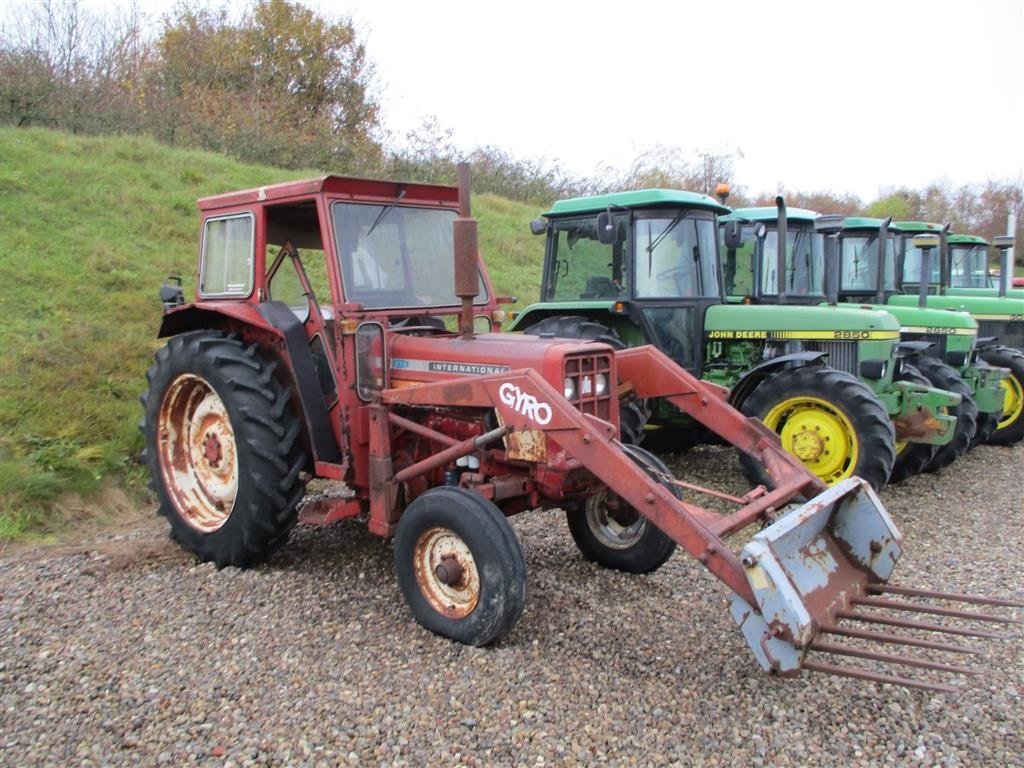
(920, 320)
(981, 307)
(420, 359)
(824, 322)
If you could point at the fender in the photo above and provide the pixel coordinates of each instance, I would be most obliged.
(908, 348)
(768, 368)
(277, 320)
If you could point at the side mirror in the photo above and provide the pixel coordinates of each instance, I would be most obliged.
(538, 227)
(606, 228)
(760, 230)
(731, 235)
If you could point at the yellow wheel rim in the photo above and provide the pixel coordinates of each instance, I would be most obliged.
(1013, 401)
(818, 434)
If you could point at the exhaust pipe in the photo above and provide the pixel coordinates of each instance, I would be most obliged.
(780, 236)
(467, 280)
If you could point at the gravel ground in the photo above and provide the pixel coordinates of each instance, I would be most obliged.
(124, 651)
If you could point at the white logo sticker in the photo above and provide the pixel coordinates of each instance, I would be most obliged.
(524, 403)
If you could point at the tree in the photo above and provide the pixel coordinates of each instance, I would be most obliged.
(282, 86)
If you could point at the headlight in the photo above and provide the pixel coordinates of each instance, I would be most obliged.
(569, 388)
(601, 385)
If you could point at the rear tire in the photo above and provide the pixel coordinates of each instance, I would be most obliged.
(633, 413)
(622, 539)
(1010, 427)
(945, 377)
(911, 458)
(829, 420)
(223, 448)
(459, 566)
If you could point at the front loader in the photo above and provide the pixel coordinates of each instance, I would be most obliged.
(435, 436)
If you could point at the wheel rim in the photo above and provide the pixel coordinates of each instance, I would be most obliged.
(616, 530)
(818, 434)
(198, 454)
(1013, 401)
(446, 572)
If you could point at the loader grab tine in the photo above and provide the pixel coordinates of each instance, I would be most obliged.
(866, 674)
(888, 637)
(875, 618)
(897, 589)
(889, 658)
(900, 605)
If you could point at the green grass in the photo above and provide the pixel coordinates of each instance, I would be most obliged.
(89, 227)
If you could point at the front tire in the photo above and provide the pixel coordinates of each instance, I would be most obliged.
(223, 448)
(459, 566)
(612, 534)
(1010, 427)
(827, 419)
(945, 377)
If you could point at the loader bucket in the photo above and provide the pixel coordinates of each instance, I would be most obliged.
(819, 566)
(805, 567)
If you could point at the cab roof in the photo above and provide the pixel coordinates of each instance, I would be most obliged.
(770, 213)
(967, 240)
(917, 226)
(362, 190)
(867, 222)
(639, 198)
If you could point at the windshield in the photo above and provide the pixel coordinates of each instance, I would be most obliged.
(397, 256)
(859, 261)
(805, 262)
(676, 256)
(968, 266)
(912, 262)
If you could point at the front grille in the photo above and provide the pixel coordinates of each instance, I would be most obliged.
(937, 340)
(841, 354)
(584, 370)
(1010, 332)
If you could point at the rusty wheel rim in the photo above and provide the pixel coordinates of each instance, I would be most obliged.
(615, 531)
(446, 572)
(198, 456)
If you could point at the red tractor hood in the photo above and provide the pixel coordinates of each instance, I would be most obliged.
(421, 359)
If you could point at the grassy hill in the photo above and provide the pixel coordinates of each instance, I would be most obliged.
(89, 227)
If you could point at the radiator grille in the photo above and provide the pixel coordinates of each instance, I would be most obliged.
(1010, 332)
(938, 343)
(584, 370)
(841, 354)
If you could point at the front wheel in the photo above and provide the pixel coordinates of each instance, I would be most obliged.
(459, 566)
(613, 534)
(945, 377)
(1010, 427)
(827, 419)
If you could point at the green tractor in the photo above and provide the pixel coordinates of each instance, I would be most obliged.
(1000, 318)
(970, 273)
(937, 346)
(642, 267)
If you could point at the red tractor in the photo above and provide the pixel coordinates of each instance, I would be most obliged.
(439, 434)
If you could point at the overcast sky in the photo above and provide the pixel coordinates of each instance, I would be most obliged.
(849, 96)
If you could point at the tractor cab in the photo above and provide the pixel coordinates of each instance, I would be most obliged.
(651, 255)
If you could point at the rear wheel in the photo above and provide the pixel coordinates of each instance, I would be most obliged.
(828, 420)
(633, 413)
(945, 377)
(224, 451)
(613, 534)
(459, 566)
(911, 458)
(1010, 427)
